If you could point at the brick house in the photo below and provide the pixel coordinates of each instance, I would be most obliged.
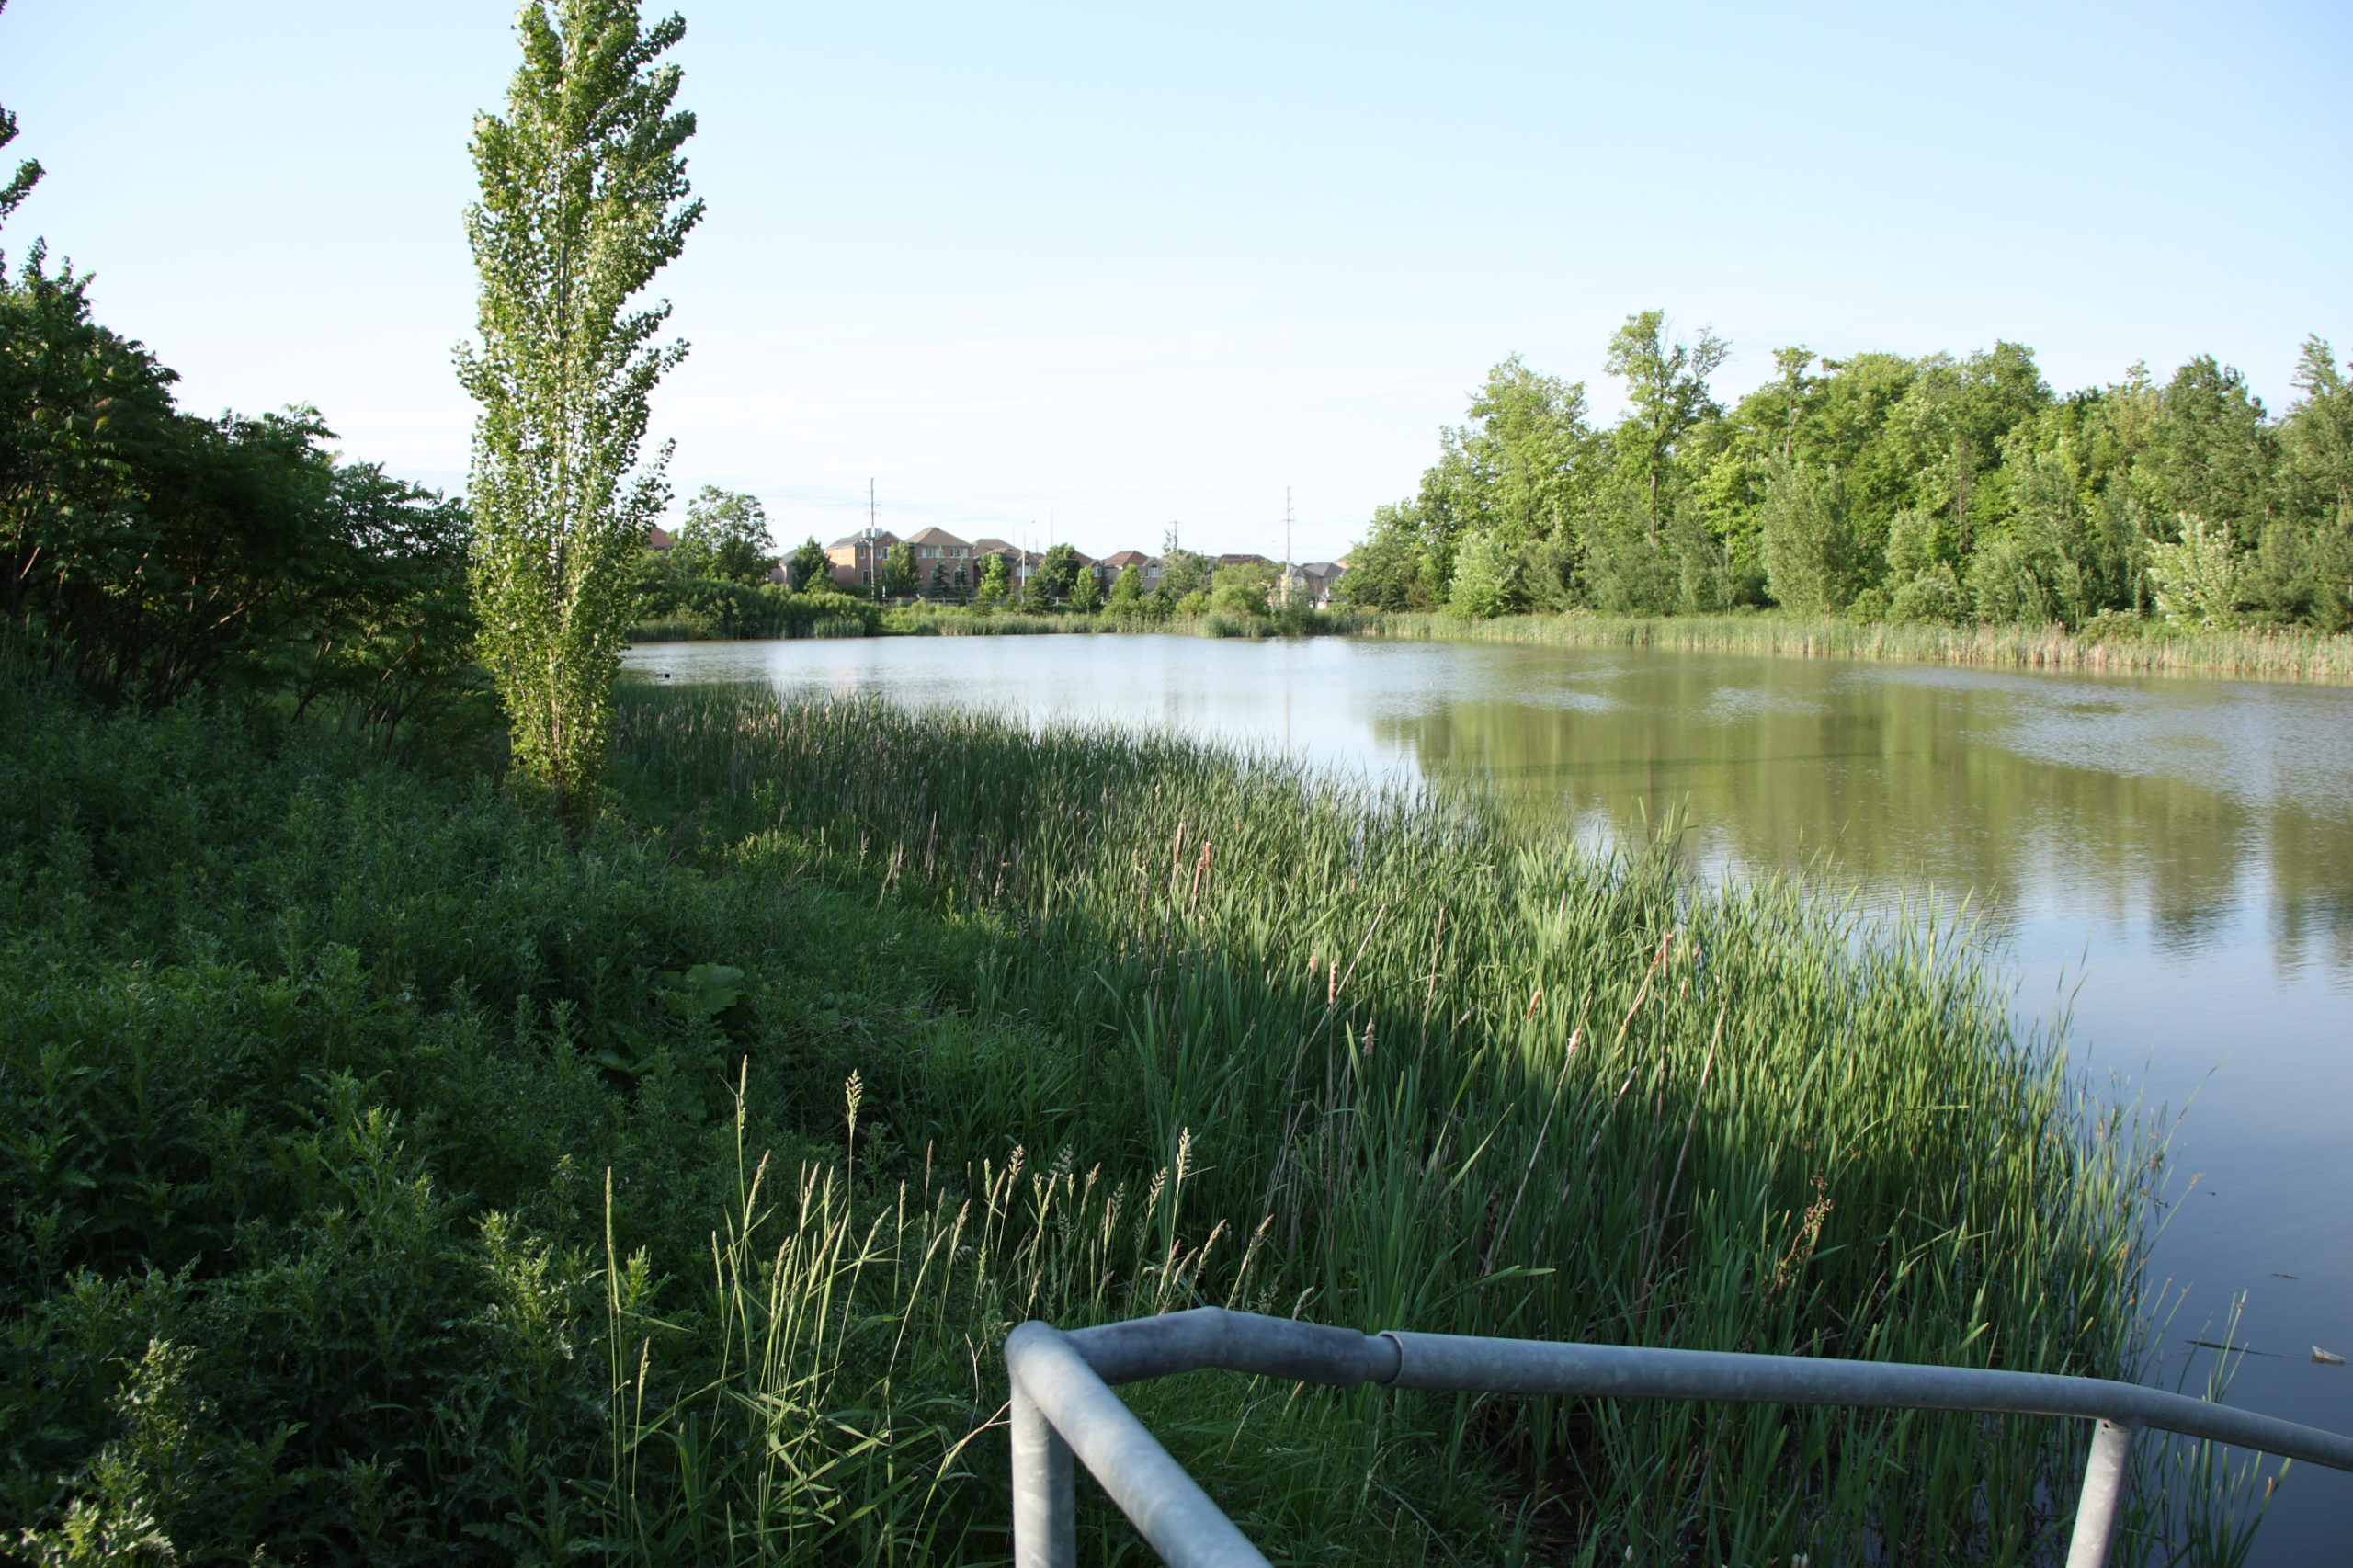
(944, 563)
(1147, 568)
(855, 561)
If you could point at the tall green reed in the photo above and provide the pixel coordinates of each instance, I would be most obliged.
(2123, 647)
(1482, 1081)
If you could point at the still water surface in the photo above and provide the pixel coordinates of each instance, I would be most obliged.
(2170, 862)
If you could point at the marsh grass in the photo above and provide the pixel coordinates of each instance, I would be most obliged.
(380, 1183)
(2119, 645)
(1474, 1081)
(684, 629)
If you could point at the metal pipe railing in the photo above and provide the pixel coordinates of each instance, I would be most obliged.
(1063, 1405)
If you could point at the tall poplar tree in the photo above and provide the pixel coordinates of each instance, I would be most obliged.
(583, 199)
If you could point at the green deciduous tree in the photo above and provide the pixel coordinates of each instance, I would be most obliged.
(2197, 574)
(1127, 593)
(1488, 578)
(1939, 487)
(810, 567)
(1056, 576)
(1086, 592)
(145, 553)
(996, 581)
(1183, 572)
(725, 536)
(2303, 570)
(1812, 559)
(1667, 394)
(584, 198)
(899, 578)
(1241, 588)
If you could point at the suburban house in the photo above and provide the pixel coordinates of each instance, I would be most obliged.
(947, 566)
(1314, 581)
(659, 541)
(856, 561)
(1018, 562)
(944, 563)
(1147, 568)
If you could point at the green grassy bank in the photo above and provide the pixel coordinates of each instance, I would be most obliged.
(2119, 646)
(388, 1178)
(965, 620)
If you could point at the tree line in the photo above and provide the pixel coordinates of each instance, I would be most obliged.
(1881, 487)
(146, 552)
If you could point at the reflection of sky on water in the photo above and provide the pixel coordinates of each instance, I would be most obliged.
(2174, 857)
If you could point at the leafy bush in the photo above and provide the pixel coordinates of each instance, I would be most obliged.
(148, 553)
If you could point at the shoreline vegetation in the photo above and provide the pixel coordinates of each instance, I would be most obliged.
(2111, 646)
(2280, 653)
(445, 1176)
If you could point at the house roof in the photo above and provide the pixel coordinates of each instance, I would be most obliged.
(933, 536)
(994, 547)
(1124, 558)
(658, 538)
(885, 539)
(1243, 561)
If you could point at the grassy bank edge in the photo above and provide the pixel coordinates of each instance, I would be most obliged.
(2129, 648)
(2124, 647)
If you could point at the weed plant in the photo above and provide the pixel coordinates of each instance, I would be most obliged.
(2116, 644)
(390, 1177)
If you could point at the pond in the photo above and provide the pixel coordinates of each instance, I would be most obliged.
(2167, 862)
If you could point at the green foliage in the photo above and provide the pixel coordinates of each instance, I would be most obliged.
(1927, 490)
(1813, 559)
(810, 569)
(1666, 389)
(1183, 573)
(2197, 574)
(1395, 566)
(317, 1066)
(1086, 592)
(1241, 588)
(1314, 930)
(147, 553)
(899, 578)
(584, 198)
(694, 608)
(725, 536)
(996, 581)
(1489, 578)
(1127, 594)
(1056, 577)
(2122, 645)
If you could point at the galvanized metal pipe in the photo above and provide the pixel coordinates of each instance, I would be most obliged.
(1463, 1363)
(1235, 1342)
(1045, 1501)
(1061, 1391)
(2101, 1505)
(1167, 1507)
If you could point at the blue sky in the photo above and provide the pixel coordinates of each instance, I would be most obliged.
(1088, 270)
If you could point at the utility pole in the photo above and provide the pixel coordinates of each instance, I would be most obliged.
(1287, 573)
